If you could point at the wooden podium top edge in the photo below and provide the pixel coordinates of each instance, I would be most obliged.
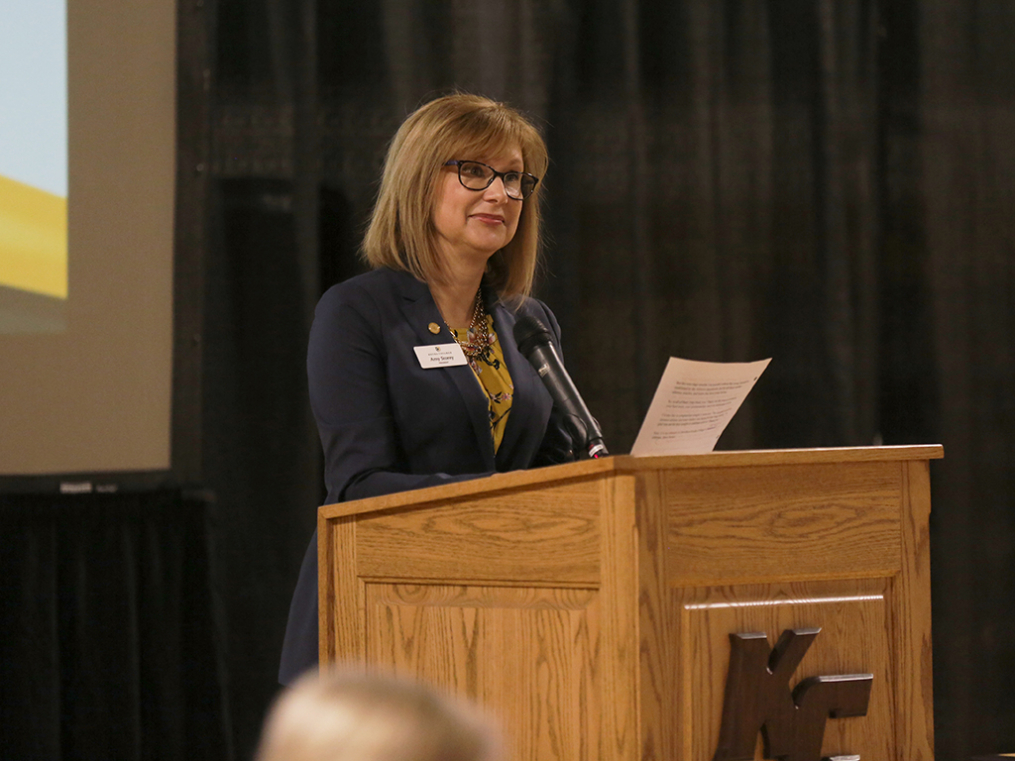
(629, 464)
(782, 457)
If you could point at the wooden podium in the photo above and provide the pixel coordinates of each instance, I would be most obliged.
(589, 606)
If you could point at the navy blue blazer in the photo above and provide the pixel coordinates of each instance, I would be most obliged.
(387, 425)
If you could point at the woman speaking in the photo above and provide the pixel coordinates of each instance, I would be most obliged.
(453, 244)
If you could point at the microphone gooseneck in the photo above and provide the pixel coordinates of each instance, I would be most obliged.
(535, 344)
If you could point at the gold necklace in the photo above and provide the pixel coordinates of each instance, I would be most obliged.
(477, 345)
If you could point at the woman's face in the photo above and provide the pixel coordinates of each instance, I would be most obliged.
(475, 224)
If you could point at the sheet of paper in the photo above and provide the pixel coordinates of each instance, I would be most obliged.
(693, 404)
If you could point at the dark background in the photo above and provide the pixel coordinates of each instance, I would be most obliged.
(825, 182)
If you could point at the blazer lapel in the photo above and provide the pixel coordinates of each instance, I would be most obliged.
(420, 310)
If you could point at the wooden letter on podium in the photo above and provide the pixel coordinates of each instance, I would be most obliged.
(589, 607)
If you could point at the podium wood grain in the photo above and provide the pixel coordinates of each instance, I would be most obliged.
(589, 606)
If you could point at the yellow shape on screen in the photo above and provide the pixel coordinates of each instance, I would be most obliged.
(33, 239)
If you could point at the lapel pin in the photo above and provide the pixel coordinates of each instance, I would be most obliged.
(434, 328)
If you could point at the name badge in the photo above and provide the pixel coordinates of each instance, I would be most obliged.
(441, 355)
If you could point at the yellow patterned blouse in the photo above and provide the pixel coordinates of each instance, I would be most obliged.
(492, 373)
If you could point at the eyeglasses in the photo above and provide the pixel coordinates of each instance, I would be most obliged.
(478, 176)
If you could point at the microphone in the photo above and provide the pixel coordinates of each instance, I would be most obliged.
(534, 342)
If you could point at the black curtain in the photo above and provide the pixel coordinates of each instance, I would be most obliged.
(260, 450)
(826, 182)
(965, 191)
(112, 639)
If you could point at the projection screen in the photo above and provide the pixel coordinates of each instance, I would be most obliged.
(87, 125)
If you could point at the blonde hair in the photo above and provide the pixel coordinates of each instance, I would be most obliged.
(401, 234)
(338, 716)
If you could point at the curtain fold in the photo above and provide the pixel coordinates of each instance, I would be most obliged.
(112, 640)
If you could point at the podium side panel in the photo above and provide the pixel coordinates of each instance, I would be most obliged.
(341, 603)
(661, 712)
(620, 656)
(527, 655)
(912, 627)
(493, 596)
(547, 535)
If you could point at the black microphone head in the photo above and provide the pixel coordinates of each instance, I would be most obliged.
(529, 332)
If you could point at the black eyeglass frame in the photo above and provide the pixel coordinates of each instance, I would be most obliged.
(503, 175)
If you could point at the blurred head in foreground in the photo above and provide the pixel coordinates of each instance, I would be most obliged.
(340, 716)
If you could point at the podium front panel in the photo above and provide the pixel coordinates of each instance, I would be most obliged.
(853, 639)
